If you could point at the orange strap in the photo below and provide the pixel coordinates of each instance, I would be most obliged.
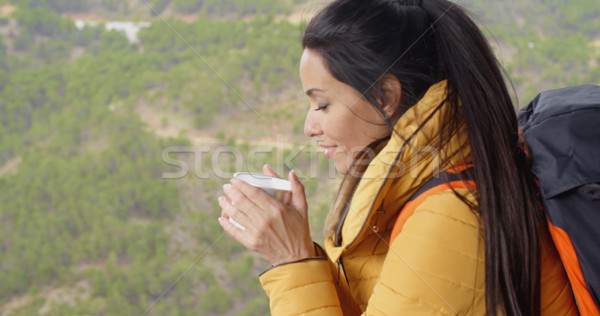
(408, 209)
(458, 168)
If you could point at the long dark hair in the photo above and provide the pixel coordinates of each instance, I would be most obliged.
(423, 42)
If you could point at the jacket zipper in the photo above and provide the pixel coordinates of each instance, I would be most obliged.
(343, 270)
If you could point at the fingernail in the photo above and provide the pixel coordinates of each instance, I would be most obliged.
(226, 186)
(267, 165)
(235, 181)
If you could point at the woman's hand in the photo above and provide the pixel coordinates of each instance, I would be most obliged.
(276, 230)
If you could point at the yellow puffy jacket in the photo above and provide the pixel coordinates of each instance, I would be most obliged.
(434, 266)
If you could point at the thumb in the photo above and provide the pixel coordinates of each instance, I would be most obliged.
(267, 170)
(298, 194)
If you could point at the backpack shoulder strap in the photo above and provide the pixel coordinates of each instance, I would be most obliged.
(447, 180)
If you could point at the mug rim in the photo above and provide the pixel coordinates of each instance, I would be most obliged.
(263, 181)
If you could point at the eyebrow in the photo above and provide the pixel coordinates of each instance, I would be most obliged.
(310, 91)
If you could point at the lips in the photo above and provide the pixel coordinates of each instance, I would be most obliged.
(329, 151)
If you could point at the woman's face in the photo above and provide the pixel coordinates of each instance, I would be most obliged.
(342, 121)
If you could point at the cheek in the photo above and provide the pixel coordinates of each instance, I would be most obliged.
(338, 133)
(342, 127)
(350, 135)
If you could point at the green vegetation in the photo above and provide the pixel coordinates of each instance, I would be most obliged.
(544, 44)
(59, 5)
(88, 223)
(86, 202)
(214, 8)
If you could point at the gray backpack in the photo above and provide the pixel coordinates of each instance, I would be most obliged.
(561, 132)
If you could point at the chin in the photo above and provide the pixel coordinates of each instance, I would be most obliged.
(341, 169)
(341, 162)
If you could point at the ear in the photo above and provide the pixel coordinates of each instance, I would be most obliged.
(391, 91)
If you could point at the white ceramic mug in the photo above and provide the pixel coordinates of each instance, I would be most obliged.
(276, 187)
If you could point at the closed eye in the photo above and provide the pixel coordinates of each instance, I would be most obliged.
(322, 107)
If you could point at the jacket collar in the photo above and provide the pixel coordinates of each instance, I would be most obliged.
(408, 160)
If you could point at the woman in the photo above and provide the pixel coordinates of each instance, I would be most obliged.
(402, 92)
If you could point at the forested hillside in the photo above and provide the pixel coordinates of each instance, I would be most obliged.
(112, 152)
(543, 44)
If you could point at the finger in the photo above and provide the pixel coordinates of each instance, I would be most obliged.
(232, 230)
(298, 194)
(224, 214)
(251, 196)
(236, 224)
(287, 198)
(229, 211)
(238, 198)
(267, 170)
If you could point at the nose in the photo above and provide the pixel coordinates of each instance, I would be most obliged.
(312, 126)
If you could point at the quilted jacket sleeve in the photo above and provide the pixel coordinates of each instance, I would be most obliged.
(302, 288)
